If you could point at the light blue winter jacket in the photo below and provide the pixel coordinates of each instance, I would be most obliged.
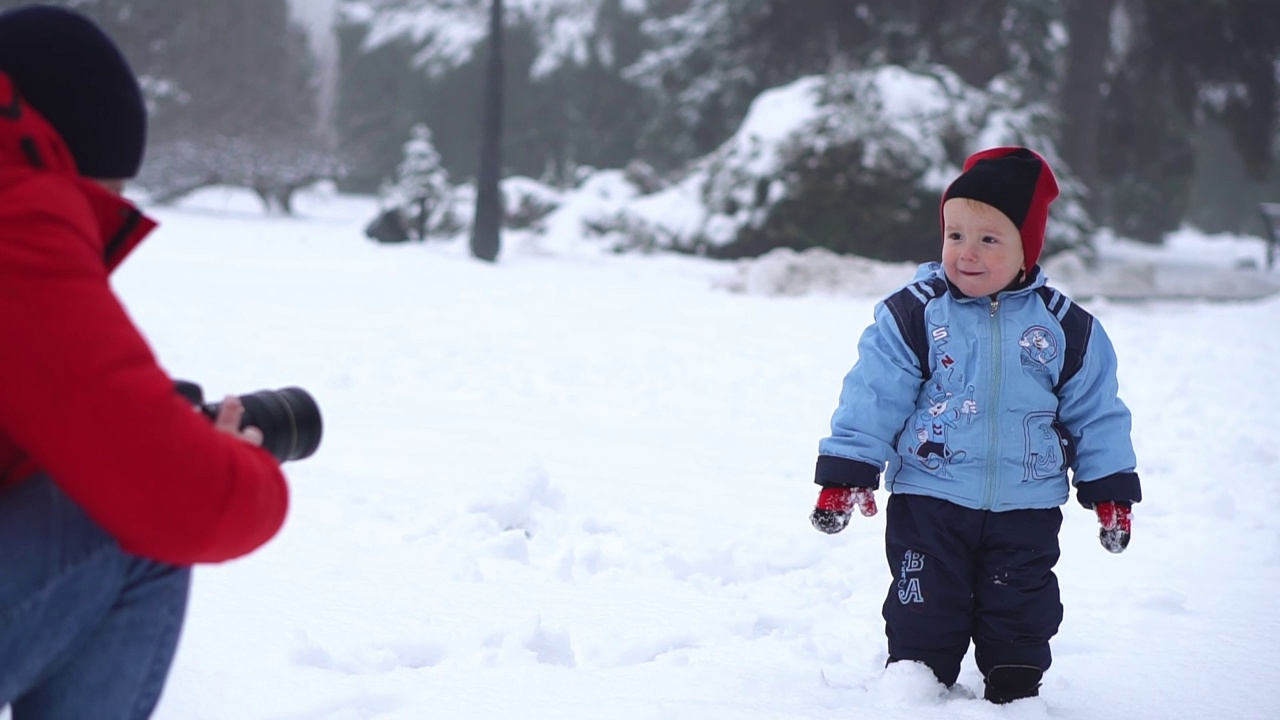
(1013, 392)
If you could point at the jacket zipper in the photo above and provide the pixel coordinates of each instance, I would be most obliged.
(117, 241)
(992, 409)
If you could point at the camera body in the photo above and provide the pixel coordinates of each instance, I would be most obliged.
(289, 418)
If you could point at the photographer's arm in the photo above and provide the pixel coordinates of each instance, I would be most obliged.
(84, 397)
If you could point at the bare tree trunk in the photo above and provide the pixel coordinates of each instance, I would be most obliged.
(1089, 30)
(264, 194)
(487, 229)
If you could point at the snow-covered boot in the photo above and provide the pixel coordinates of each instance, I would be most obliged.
(1006, 683)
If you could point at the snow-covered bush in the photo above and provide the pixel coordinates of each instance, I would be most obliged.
(527, 206)
(273, 169)
(527, 203)
(855, 162)
(422, 184)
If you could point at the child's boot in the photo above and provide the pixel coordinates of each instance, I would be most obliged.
(1006, 683)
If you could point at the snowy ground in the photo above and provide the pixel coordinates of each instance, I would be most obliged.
(569, 487)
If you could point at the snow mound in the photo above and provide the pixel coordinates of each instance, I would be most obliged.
(1160, 276)
(1156, 281)
(1188, 265)
(785, 272)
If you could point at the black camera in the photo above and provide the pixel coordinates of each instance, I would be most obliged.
(289, 418)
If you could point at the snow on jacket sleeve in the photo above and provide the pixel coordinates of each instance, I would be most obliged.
(82, 393)
(1089, 406)
(878, 395)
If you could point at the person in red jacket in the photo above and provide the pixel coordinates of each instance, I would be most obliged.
(111, 484)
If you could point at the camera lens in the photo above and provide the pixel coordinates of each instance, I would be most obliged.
(289, 419)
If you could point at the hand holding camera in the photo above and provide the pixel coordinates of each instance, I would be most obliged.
(231, 415)
(286, 422)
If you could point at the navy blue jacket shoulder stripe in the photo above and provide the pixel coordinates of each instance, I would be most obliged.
(1077, 325)
(907, 307)
(1053, 300)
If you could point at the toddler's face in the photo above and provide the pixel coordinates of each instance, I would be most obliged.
(981, 247)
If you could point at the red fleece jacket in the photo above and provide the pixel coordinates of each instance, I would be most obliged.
(82, 397)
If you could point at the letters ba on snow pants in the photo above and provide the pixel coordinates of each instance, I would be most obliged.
(961, 574)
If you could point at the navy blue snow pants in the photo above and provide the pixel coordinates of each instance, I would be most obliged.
(962, 574)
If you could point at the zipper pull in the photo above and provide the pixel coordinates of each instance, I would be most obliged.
(995, 305)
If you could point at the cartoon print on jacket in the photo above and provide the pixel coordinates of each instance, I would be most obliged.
(1039, 348)
(932, 425)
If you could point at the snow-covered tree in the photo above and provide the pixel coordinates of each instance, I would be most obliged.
(449, 31)
(231, 89)
(565, 95)
(421, 191)
(854, 162)
(711, 58)
(420, 174)
(242, 108)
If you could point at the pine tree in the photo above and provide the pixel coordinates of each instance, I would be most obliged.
(421, 191)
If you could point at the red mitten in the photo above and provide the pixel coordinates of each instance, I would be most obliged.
(1116, 519)
(835, 507)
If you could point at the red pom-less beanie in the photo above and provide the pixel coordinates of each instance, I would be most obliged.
(1017, 182)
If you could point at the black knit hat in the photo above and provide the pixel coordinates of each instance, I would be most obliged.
(1017, 182)
(67, 68)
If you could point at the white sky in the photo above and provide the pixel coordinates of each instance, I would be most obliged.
(576, 485)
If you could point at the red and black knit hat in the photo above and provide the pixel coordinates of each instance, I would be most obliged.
(1017, 182)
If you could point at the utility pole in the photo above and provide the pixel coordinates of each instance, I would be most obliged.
(486, 233)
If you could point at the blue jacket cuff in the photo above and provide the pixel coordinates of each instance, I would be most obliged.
(1117, 487)
(835, 471)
